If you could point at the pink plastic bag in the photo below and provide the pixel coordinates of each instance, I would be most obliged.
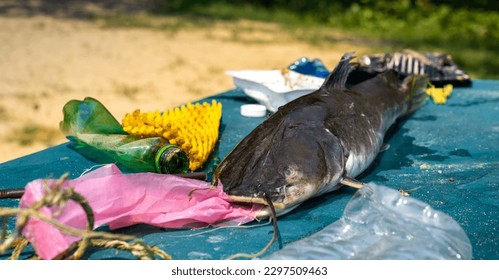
(121, 200)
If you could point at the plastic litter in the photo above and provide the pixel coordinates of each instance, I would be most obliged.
(191, 127)
(306, 66)
(274, 88)
(381, 223)
(97, 135)
(253, 110)
(438, 67)
(121, 200)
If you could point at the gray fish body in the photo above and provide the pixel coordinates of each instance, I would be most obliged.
(312, 143)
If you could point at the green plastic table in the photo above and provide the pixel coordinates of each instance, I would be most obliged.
(458, 140)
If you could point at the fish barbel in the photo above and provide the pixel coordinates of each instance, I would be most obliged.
(314, 144)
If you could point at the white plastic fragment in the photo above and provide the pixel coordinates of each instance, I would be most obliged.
(274, 88)
(253, 110)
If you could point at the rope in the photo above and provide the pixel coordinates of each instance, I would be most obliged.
(57, 196)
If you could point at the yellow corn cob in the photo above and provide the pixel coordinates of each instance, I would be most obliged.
(439, 95)
(192, 127)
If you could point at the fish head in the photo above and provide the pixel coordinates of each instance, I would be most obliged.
(292, 156)
(308, 163)
(287, 161)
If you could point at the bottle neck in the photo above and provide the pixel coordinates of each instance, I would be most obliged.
(170, 159)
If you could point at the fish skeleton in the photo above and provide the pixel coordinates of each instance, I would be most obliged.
(318, 142)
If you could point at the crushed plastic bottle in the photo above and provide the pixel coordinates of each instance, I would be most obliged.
(100, 137)
(381, 223)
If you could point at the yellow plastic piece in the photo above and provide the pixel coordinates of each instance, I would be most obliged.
(192, 127)
(439, 95)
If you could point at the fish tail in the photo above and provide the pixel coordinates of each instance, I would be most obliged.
(414, 88)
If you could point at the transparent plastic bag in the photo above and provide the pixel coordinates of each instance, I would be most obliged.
(381, 223)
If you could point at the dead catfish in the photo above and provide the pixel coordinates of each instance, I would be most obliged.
(314, 144)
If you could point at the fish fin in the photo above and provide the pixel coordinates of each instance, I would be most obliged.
(385, 147)
(338, 77)
(351, 182)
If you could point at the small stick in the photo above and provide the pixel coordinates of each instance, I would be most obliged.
(192, 175)
(11, 193)
(18, 192)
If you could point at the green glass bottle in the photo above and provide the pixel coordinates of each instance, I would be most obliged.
(136, 154)
(170, 159)
(99, 137)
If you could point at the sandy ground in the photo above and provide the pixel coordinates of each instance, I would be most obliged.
(47, 60)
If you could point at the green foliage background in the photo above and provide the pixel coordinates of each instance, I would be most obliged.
(468, 30)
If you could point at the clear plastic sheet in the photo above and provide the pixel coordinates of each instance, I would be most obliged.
(381, 223)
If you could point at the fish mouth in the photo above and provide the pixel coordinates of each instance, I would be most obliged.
(265, 212)
(257, 200)
(290, 198)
